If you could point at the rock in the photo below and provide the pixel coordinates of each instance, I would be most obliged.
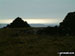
(18, 23)
(68, 24)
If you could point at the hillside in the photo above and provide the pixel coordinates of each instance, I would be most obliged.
(15, 42)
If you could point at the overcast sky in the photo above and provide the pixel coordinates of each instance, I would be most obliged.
(54, 9)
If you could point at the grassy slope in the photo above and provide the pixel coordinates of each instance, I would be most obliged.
(13, 42)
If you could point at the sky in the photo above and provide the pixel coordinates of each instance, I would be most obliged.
(35, 11)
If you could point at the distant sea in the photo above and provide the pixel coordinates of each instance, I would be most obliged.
(3, 25)
(33, 25)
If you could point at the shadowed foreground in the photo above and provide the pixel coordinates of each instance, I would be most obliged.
(15, 42)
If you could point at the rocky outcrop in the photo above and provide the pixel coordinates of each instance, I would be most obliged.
(68, 24)
(18, 23)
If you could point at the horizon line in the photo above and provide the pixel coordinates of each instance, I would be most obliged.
(35, 21)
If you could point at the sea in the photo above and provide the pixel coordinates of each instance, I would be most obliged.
(33, 25)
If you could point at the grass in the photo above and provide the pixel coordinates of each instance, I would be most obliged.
(15, 42)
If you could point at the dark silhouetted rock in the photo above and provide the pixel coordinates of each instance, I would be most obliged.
(18, 23)
(48, 31)
(68, 24)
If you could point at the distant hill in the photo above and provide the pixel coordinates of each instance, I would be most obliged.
(38, 25)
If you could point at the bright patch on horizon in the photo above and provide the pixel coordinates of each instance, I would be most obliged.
(42, 21)
(34, 21)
